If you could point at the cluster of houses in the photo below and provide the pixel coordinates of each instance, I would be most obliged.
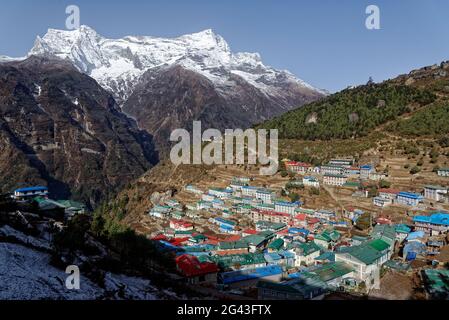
(434, 193)
(290, 252)
(337, 172)
(57, 209)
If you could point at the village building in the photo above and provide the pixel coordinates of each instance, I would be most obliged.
(347, 162)
(30, 192)
(203, 205)
(388, 193)
(443, 172)
(181, 225)
(298, 167)
(231, 247)
(275, 245)
(295, 289)
(386, 233)
(402, 231)
(409, 199)
(377, 176)
(249, 191)
(324, 214)
(207, 197)
(334, 274)
(195, 271)
(310, 181)
(352, 213)
(272, 216)
(436, 284)
(327, 239)
(226, 226)
(305, 252)
(332, 170)
(72, 208)
(434, 224)
(244, 180)
(220, 193)
(286, 207)
(436, 193)
(160, 212)
(334, 179)
(262, 225)
(265, 195)
(382, 202)
(239, 261)
(259, 241)
(248, 278)
(352, 171)
(366, 170)
(366, 259)
(193, 189)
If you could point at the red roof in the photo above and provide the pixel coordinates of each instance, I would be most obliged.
(297, 164)
(272, 213)
(181, 223)
(179, 241)
(190, 266)
(232, 238)
(250, 231)
(383, 220)
(393, 191)
(159, 237)
(212, 242)
(301, 217)
(313, 220)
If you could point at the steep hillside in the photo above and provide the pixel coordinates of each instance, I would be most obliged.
(59, 127)
(412, 104)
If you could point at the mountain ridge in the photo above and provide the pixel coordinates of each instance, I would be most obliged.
(116, 63)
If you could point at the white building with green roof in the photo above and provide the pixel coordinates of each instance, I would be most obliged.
(366, 259)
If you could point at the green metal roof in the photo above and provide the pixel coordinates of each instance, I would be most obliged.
(307, 247)
(379, 245)
(384, 232)
(276, 244)
(233, 260)
(368, 252)
(330, 271)
(437, 281)
(254, 239)
(233, 245)
(329, 235)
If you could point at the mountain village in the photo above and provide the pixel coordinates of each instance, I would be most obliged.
(246, 239)
(268, 243)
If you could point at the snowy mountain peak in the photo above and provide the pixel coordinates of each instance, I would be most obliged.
(118, 64)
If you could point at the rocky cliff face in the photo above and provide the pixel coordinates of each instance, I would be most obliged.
(59, 127)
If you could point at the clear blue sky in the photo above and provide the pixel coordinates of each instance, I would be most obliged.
(323, 42)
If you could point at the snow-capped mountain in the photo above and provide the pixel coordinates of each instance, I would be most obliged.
(118, 64)
(164, 84)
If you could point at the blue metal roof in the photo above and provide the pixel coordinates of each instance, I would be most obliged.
(410, 195)
(439, 218)
(242, 275)
(224, 221)
(30, 189)
(415, 235)
(298, 230)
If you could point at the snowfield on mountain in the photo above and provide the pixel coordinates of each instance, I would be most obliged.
(117, 64)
